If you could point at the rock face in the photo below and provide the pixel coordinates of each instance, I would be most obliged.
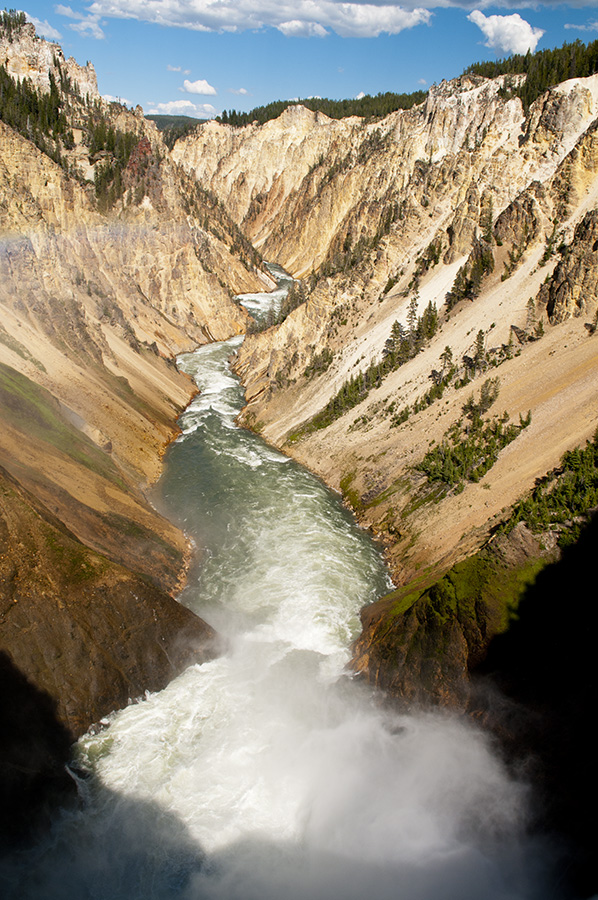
(420, 646)
(394, 212)
(98, 292)
(82, 629)
(573, 288)
(25, 55)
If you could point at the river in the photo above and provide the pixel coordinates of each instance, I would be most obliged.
(270, 773)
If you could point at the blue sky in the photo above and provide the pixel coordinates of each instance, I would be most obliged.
(198, 57)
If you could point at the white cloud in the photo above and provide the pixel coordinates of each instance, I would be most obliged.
(591, 26)
(295, 18)
(200, 86)
(112, 99)
(508, 34)
(296, 28)
(421, 81)
(174, 68)
(241, 91)
(184, 108)
(360, 95)
(86, 25)
(44, 29)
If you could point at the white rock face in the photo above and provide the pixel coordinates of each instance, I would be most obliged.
(29, 56)
(302, 182)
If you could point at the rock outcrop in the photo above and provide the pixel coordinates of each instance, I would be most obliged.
(82, 629)
(25, 55)
(99, 290)
(573, 288)
(465, 186)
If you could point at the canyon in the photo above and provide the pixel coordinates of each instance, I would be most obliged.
(380, 220)
(418, 194)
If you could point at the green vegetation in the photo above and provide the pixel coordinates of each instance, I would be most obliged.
(296, 295)
(480, 592)
(468, 281)
(563, 498)
(34, 412)
(35, 114)
(371, 107)
(11, 22)
(344, 255)
(76, 563)
(320, 363)
(17, 347)
(45, 118)
(349, 493)
(175, 127)
(404, 345)
(470, 449)
(115, 148)
(543, 69)
(210, 214)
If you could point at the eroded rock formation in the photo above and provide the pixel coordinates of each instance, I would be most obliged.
(98, 293)
(465, 185)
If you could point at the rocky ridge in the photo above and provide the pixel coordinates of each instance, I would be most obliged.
(395, 211)
(99, 291)
(25, 55)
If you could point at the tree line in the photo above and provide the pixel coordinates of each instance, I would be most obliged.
(36, 114)
(472, 445)
(371, 107)
(403, 344)
(542, 69)
(564, 498)
(11, 22)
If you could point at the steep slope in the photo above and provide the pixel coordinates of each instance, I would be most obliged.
(111, 262)
(467, 199)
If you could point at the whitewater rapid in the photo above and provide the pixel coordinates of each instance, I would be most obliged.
(269, 772)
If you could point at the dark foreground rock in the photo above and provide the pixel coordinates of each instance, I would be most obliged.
(85, 630)
(508, 637)
(80, 636)
(545, 670)
(420, 643)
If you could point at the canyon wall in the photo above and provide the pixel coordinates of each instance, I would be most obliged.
(465, 189)
(99, 290)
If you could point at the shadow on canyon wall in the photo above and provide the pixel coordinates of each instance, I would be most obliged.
(545, 670)
(35, 747)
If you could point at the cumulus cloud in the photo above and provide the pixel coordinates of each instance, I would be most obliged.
(86, 25)
(294, 18)
(200, 86)
(360, 95)
(591, 26)
(184, 108)
(296, 28)
(240, 91)
(44, 29)
(508, 34)
(421, 81)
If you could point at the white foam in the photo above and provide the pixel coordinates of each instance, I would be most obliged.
(267, 772)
